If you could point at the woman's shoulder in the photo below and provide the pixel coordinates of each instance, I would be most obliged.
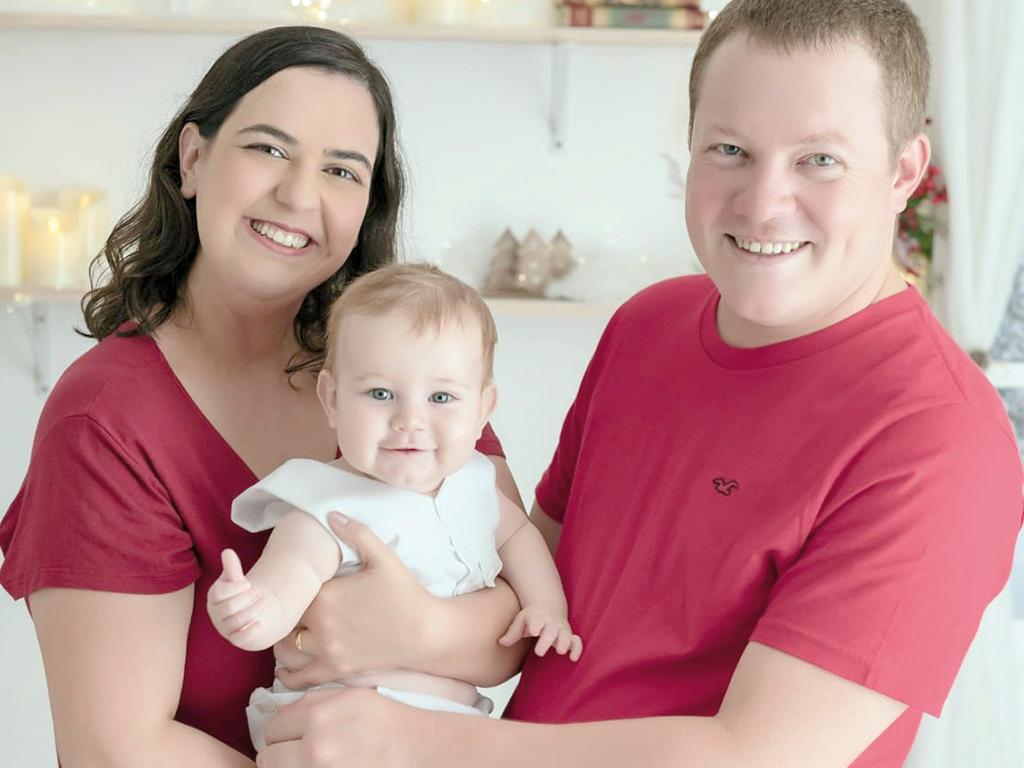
(118, 375)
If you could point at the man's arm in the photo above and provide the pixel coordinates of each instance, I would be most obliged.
(778, 711)
(114, 667)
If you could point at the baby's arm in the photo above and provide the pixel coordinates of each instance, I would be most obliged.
(529, 569)
(255, 610)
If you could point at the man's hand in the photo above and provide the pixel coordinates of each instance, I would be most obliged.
(351, 727)
(239, 608)
(372, 620)
(545, 620)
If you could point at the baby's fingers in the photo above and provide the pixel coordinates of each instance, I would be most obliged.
(232, 566)
(546, 638)
(575, 648)
(515, 631)
(563, 641)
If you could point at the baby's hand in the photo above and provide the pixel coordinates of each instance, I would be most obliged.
(237, 607)
(548, 623)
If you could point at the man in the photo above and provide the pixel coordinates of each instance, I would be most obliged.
(783, 496)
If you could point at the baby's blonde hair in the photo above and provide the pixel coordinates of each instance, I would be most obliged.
(430, 298)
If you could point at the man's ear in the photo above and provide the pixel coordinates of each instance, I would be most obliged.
(488, 402)
(910, 169)
(327, 391)
(190, 147)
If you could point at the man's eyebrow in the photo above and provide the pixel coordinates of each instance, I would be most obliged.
(826, 137)
(291, 141)
(722, 128)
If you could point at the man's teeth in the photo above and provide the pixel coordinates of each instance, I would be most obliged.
(278, 236)
(757, 246)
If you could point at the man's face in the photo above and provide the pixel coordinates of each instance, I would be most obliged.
(791, 194)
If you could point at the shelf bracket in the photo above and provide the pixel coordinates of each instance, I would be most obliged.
(37, 319)
(559, 106)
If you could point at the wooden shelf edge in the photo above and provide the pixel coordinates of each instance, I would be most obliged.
(24, 295)
(408, 32)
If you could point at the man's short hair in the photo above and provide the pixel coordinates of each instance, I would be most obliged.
(430, 298)
(888, 29)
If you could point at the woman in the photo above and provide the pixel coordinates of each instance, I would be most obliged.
(276, 183)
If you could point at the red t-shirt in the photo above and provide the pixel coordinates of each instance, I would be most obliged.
(850, 497)
(129, 490)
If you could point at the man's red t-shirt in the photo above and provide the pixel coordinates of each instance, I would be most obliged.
(129, 489)
(850, 498)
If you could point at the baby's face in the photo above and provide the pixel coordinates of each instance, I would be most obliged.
(407, 407)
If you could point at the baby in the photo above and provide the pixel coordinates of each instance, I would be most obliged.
(407, 386)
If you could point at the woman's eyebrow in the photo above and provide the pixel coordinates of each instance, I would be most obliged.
(287, 138)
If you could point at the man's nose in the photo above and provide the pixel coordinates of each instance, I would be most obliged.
(766, 194)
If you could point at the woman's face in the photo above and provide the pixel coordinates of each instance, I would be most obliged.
(282, 189)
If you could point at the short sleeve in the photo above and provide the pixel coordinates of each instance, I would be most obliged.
(90, 515)
(488, 444)
(552, 492)
(914, 540)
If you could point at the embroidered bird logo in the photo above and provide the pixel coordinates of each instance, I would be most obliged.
(725, 487)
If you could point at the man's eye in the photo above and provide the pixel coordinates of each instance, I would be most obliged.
(821, 160)
(379, 393)
(729, 150)
(441, 397)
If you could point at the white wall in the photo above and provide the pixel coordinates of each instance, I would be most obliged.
(86, 107)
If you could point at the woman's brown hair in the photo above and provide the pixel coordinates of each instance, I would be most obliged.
(141, 272)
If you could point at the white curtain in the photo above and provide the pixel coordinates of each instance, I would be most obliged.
(978, 109)
(978, 123)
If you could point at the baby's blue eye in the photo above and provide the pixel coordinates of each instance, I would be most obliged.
(441, 397)
(821, 160)
(379, 393)
(729, 150)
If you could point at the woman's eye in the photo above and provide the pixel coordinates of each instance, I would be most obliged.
(379, 393)
(729, 150)
(821, 160)
(441, 398)
(267, 149)
(342, 173)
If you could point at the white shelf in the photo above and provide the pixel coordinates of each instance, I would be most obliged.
(510, 307)
(220, 26)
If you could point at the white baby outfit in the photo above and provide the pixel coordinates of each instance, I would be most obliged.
(447, 540)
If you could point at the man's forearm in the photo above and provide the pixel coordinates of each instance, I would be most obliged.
(465, 633)
(466, 742)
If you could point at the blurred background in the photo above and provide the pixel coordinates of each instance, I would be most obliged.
(546, 146)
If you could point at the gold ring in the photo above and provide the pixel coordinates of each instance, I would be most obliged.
(298, 641)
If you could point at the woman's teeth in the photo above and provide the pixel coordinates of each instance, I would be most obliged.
(758, 246)
(280, 237)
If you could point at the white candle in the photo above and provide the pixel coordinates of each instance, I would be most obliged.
(92, 212)
(14, 202)
(443, 11)
(52, 249)
(514, 13)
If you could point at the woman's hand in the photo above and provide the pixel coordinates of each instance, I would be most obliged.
(351, 727)
(375, 619)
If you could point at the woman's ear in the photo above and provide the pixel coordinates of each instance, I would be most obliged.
(327, 391)
(190, 148)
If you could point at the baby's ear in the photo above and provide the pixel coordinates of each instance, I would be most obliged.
(488, 402)
(327, 391)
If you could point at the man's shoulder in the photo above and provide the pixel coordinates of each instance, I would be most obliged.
(677, 297)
